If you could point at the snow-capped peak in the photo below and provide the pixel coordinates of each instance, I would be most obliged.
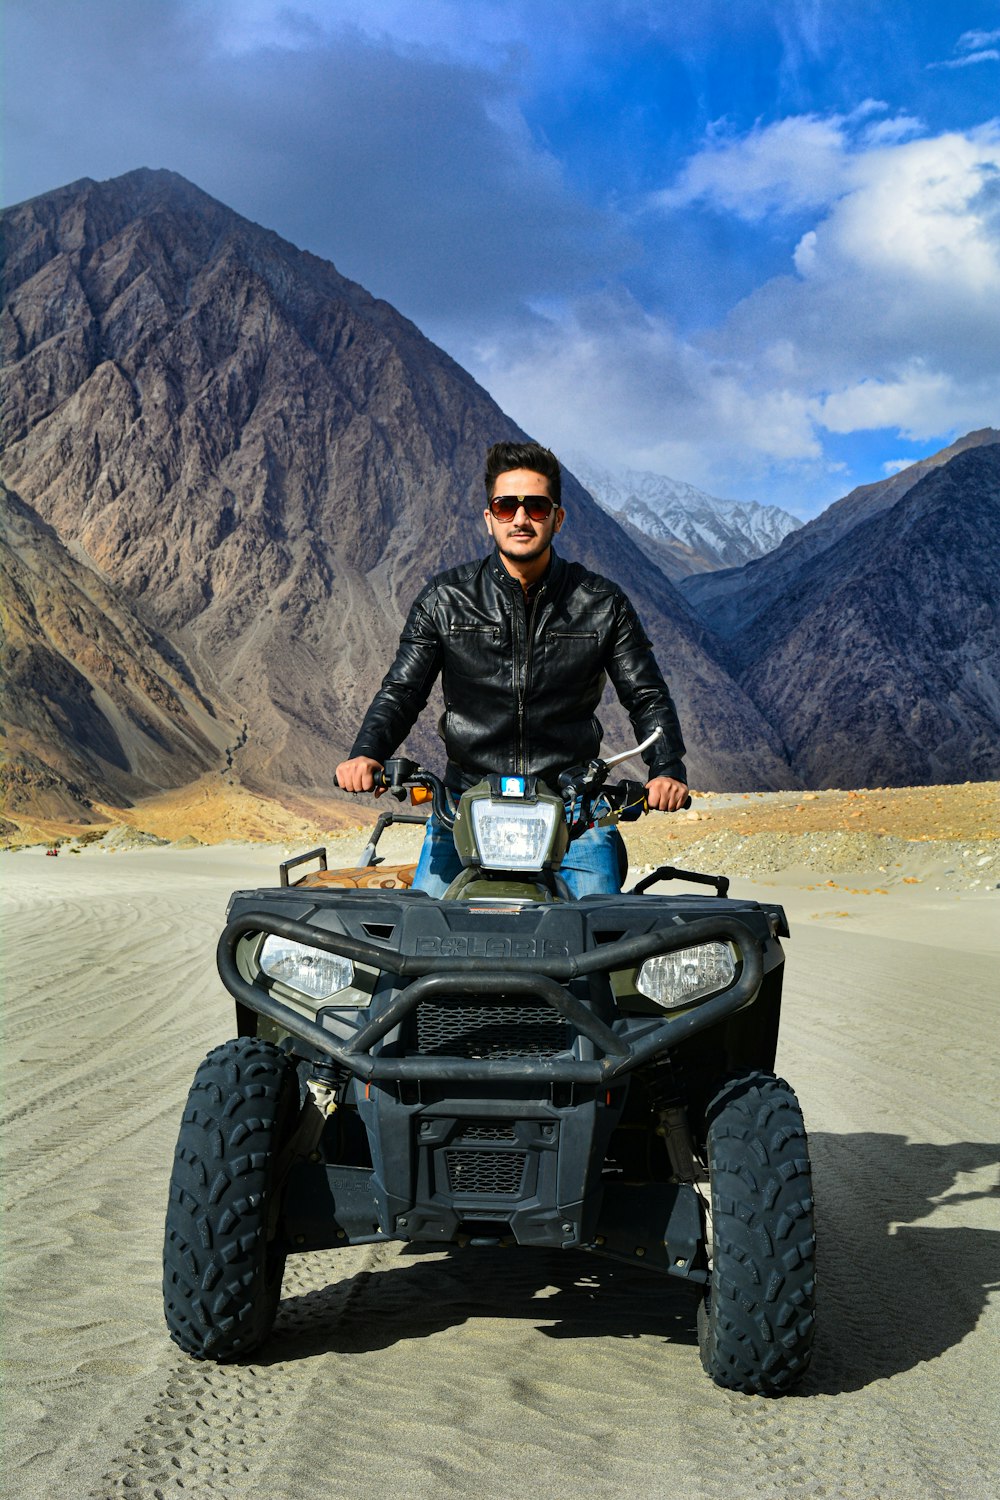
(702, 532)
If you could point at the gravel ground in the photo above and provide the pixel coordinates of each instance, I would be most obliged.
(953, 863)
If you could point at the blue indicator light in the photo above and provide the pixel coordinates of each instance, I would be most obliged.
(512, 786)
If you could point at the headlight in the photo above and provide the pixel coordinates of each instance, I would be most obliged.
(673, 979)
(512, 835)
(308, 970)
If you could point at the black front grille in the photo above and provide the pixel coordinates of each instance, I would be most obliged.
(466, 1029)
(486, 1172)
(487, 1130)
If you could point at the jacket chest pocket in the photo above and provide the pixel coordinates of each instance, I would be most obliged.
(572, 650)
(474, 650)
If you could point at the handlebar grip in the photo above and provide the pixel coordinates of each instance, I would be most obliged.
(633, 801)
(630, 797)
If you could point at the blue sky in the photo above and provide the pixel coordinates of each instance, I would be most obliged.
(755, 246)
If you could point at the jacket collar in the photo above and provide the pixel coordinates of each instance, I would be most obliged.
(551, 578)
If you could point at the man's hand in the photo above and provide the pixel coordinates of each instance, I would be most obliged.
(358, 775)
(664, 794)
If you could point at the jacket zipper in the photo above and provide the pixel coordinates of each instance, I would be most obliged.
(521, 756)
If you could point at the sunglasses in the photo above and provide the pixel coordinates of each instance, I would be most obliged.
(536, 507)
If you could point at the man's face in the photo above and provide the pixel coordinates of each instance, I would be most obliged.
(523, 540)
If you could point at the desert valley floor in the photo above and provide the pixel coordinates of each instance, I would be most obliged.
(500, 1372)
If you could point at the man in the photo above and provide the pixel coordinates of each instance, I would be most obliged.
(523, 642)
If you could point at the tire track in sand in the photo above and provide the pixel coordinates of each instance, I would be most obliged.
(211, 1428)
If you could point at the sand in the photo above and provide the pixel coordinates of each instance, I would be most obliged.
(501, 1373)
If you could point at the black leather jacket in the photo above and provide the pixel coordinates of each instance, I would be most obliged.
(522, 680)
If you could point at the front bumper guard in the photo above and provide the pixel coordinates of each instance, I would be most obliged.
(543, 978)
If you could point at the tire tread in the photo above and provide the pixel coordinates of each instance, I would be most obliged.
(757, 1323)
(221, 1280)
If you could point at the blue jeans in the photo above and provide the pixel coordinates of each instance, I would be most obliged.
(590, 867)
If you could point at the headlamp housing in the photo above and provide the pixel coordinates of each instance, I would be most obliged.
(672, 980)
(308, 971)
(512, 835)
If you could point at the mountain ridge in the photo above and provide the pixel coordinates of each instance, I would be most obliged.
(240, 467)
(269, 462)
(730, 599)
(882, 661)
(96, 707)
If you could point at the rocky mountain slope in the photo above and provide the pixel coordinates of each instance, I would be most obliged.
(879, 661)
(683, 529)
(730, 600)
(266, 463)
(94, 705)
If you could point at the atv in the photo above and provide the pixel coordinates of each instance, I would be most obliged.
(505, 1065)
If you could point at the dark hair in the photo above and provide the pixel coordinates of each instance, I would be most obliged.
(503, 457)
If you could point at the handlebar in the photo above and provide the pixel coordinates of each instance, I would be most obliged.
(398, 774)
(579, 787)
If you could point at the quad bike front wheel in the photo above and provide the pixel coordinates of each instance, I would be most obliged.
(755, 1326)
(222, 1267)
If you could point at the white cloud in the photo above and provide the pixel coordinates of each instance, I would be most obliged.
(605, 378)
(901, 272)
(889, 316)
(895, 466)
(915, 210)
(802, 162)
(920, 404)
(906, 403)
(990, 54)
(974, 47)
(792, 165)
(391, 138)
(887, 132)
(973, 40)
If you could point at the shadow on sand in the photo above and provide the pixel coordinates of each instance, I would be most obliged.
(562, 1294)
(894, 1290)
(900, 1282)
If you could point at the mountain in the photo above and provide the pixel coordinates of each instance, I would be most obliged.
(95, 706)
(730, 601)
(879, 660)
(684, 530)
(264, 463)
